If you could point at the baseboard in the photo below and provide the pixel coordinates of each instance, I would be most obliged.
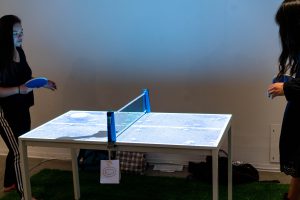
(45, 153)
(269, 167)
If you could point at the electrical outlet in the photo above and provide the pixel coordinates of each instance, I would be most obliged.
(274, 142)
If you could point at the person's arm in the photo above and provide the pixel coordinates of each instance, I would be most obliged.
(292, 90)
(8, 91)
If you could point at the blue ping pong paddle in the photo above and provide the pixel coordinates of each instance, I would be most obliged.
(36, 82)
(282, 78)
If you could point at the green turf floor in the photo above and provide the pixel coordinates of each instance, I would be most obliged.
(58, 185)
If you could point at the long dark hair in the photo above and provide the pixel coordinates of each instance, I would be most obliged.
(6, 40)
(288, 20)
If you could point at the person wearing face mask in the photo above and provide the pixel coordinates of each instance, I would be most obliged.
(15, 98)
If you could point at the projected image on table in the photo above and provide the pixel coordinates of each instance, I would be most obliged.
(86, 125)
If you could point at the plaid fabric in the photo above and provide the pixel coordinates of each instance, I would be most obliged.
(131, 161)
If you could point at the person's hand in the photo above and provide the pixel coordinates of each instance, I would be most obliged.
(24, 90)
(50, 85)
(275, 89)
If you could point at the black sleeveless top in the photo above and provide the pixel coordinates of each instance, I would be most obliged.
(16, 75)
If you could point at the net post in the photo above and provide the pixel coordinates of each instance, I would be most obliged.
(111, 127)
(146, 101)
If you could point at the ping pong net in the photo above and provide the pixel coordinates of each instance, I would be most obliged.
(119, 121)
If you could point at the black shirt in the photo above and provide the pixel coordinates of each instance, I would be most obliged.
(16, 75)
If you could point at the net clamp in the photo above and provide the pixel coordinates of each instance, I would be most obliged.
(111, 146)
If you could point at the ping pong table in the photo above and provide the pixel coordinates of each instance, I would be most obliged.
(137, 129)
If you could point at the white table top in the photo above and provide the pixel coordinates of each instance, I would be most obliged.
(154, 129)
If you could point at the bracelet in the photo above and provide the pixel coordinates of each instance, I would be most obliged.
(19, 90)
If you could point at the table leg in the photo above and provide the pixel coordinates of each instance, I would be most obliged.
(75, 174)
(24, 169)
(229, 166)
(215, 171)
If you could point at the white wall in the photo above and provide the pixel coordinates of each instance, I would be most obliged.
(197, 56)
